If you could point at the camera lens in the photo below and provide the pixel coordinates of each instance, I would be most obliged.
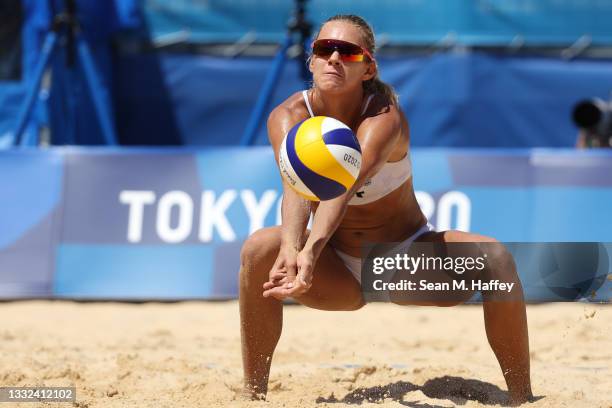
(587, 114)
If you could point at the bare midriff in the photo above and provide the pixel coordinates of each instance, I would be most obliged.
(393, 218)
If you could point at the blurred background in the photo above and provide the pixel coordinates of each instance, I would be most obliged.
(133, 159)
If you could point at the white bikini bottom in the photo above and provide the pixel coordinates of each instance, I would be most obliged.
(353, 263)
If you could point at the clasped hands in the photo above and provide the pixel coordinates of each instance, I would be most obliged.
(291, 275)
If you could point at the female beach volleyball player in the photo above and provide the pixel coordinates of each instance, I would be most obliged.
(320, 268)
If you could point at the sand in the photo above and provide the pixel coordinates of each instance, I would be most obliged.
(188, 354)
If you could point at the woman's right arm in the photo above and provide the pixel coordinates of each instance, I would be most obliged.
(295, 210)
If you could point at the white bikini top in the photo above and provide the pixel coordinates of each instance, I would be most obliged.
(389, 177)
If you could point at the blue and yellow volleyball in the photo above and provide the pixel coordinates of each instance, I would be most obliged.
(320, 158)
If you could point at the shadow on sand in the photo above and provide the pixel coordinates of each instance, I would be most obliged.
(456, 389)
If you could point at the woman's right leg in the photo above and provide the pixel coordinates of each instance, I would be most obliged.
(261, 318)
(333, 288)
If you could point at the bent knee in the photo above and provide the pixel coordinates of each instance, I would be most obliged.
(256, 259)
(260, 245)
(502, 268)
(500, 262)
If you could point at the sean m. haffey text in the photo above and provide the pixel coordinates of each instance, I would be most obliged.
(412, 264)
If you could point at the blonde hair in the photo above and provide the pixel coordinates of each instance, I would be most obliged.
(374, 85)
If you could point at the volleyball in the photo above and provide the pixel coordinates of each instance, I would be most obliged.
(320, 158)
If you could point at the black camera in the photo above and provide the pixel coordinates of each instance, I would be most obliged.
(594, 118)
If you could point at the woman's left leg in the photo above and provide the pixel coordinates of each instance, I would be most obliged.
(505, 316)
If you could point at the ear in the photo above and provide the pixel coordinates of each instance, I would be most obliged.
(370, 72)
(310, 64)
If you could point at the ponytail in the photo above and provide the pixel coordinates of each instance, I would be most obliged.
(376, 86)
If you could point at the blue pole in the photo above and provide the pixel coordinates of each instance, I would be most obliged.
(266, 93)
(98, 92)
(26, 109)
(307, 77)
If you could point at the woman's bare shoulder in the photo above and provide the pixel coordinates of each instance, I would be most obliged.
(285, 116)
(382, 111)
(382, 107)
(385, 122)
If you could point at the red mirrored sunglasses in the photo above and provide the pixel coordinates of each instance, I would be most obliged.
(349, 52)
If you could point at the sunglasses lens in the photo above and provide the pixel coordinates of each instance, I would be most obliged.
(352, 57)
(321, 49)
(348, 52)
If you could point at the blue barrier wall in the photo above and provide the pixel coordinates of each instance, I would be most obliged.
(451, 99)
(168, 224)
(31, 190)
